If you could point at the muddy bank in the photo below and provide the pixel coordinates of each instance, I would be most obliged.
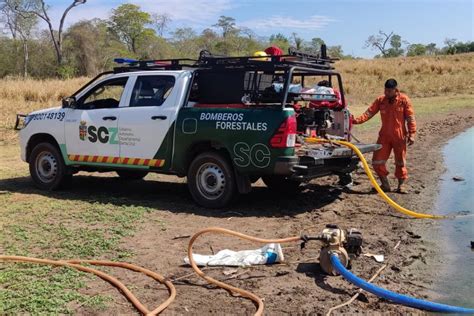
(299, 286)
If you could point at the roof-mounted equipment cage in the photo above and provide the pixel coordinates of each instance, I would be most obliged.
(246, 79)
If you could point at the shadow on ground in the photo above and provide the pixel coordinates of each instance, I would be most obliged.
(314, 270)
(174, 197)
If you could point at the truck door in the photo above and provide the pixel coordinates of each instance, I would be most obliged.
(144, 124)
(91, 128)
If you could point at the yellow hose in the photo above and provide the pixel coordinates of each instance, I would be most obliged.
(374, 183)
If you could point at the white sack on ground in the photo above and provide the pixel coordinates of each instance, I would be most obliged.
(268, 254)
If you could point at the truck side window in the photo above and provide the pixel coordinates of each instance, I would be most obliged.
(151, 90)
(105, 95)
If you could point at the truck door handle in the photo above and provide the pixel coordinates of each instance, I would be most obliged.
(159, 117)
(109, 118)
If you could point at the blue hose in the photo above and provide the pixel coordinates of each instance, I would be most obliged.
(395, 297)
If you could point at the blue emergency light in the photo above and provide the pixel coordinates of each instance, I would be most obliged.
(125, 61)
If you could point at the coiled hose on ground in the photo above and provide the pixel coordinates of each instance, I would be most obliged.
(395, 297)
(217, 230)
(76, 264)
(373, 181)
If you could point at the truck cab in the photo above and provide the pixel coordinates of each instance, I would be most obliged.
(222, 122)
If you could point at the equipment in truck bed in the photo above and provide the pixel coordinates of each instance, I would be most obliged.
(246, 79)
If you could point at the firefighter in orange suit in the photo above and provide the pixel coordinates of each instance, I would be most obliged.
(398, 129)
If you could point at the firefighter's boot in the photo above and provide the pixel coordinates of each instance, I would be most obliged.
(385, 184)
(401, 186)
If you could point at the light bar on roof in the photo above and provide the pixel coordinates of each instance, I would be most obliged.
(125, 61)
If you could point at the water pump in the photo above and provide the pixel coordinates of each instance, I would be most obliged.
(346, 243)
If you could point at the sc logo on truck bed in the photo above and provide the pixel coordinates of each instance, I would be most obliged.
(258, 155)
(102, 134)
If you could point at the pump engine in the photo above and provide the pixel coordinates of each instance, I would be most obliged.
(346, 243)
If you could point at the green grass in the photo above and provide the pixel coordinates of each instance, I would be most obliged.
(59, 228)
(30, 288)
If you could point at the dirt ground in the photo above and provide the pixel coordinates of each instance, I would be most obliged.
(299, 286)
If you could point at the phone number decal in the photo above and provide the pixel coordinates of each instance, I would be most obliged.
(48, 116)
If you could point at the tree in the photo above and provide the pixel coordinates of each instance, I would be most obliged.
(316, 43)
(335, 52)
(88, 48)
(247, 32)
(280, 40)
(227, 24)
(471, 46)
(454, 47)
(128, 23)
(185, 42)
(462, 47)
(431, 49)
(416, 50)
(20, 26)
(161, 22)
(396, 46)
(297, 41)
(450, 46)
(379, 42)
(208, 39)
(40, 9)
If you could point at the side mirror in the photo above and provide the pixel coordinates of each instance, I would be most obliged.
(69, 102)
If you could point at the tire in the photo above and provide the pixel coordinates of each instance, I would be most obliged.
(131, 174)
(47, 168)
(282, 184)
(211, 180)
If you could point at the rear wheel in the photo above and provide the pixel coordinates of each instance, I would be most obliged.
(131, 174)
(211, 180)
(47, 168)
(281, 184)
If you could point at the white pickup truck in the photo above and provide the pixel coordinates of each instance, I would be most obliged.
(216, 120)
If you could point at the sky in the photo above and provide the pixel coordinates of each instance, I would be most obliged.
(339, 22)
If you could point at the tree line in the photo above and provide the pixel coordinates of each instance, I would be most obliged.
(88, 47)
(391, 45)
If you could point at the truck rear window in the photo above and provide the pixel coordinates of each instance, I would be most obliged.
(151, 90)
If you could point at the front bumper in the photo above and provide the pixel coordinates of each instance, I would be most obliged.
(20, 122)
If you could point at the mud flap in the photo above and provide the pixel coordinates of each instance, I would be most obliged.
(244, 185)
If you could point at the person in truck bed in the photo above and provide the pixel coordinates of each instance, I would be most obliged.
(398, 129)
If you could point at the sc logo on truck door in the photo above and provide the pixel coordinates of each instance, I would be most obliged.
(102, 134)
(258, 155)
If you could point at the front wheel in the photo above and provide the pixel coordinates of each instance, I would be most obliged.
(47, 168)
(211, 180)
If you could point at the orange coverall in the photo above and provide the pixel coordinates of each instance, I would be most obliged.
(393, 133)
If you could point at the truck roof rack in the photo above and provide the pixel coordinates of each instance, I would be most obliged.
(208, 61)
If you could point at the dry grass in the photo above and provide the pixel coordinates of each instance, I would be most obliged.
(24, 96)
(419, 77)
